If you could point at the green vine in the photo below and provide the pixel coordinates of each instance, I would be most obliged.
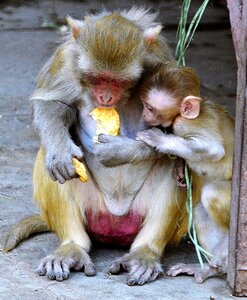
(184, 37)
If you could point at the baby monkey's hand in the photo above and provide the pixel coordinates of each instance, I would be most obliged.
(161, 142)
(153, 137)
(178, 172)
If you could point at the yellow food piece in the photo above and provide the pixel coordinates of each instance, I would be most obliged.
(80, 169)
(108, 121)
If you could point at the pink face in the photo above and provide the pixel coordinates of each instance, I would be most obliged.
(149, 115)
(159, 108)
(106, 91)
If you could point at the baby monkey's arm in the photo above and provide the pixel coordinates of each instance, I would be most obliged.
(194, 148)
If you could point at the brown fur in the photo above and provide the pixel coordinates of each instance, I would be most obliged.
(103, 31)
(22, 230)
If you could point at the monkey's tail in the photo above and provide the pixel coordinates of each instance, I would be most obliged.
(22, 230)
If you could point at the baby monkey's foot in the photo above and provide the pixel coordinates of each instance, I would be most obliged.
(195, 269)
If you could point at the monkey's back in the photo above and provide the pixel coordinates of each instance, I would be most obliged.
(214, 127)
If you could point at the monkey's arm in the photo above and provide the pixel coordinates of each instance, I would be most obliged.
(52, 120)
(194, 148)
(114, 150)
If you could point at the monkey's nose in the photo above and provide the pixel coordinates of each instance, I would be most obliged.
(106, 98)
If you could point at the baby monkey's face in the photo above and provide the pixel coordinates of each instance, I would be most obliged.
(159, 107)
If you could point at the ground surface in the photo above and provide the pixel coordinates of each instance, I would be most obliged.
(25, 46)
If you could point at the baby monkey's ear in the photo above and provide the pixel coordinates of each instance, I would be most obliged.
(151, 34)
(190, 107)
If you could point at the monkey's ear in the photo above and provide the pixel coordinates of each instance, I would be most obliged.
(190, 107)
(152, 33)
(75, 26)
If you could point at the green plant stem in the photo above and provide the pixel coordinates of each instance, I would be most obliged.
(184, 38)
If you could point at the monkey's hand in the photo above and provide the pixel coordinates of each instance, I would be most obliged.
(59, 161)
(156, 138)
(115, 151)
(153, 137)
(143, 266)
(178, 172)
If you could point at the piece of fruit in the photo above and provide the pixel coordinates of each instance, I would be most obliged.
(108, 121)
(80, 169)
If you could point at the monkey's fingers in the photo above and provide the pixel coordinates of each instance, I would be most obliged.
(116, 267)
(189, 269)
(86, 264)
(148, 138)
(180, 182)
(54, 269)
(141, 270)
(58, 175)
(57, 266)
(135, 274)
(89, 269)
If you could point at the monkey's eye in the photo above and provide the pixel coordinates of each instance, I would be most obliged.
(123, 83)
(149, 107)
(94, 80)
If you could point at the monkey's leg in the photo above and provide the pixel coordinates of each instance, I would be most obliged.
(213, 240)
(62, 215)
(159, 228)
(216, 199)
(73, 252)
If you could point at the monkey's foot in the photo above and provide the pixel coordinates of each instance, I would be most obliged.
(143, 265)
(57, 266)
(195, 269)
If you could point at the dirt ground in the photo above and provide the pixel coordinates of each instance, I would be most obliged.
(25, 46)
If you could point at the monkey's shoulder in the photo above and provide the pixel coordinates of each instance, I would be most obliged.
(208, 123)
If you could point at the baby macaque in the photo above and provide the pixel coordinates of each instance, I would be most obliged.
(202, 134)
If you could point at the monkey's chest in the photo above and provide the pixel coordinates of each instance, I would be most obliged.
(106, 228)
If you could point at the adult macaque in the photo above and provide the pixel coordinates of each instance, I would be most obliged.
(133, 204)
(202, 135)
(97, 66)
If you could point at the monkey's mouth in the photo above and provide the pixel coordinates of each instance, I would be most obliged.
(106, 105)
(153, 123)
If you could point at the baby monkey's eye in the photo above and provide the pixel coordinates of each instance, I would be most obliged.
(150, 108)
